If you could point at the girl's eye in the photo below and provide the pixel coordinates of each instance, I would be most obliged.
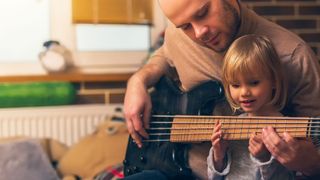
(235, 86)
(254, 83)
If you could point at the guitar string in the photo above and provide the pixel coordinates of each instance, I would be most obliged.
(312, 132)
(235, 117)
(209, 125)
(285, 125)
(202, 122)
(314, 137)
(302, 129)
(308, 125)
(315, 142)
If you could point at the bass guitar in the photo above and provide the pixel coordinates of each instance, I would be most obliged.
(170, 135)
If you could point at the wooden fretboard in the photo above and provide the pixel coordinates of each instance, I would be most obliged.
(200, 128)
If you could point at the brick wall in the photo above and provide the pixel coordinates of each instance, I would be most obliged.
(299, 16)
(100, 92)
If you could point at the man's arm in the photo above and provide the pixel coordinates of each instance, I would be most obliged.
(304, 96)
(137, 102)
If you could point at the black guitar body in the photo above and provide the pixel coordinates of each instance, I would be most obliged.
(171, 158)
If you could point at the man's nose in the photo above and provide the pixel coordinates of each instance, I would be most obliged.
(201, 32)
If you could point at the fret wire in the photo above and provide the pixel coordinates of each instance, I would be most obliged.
(224, 129)
(241, 129)
(285, 128)
(295, 132)
(275, 123)
(257, 128)
(212, 122)
(222, 126)
(248, 130)
(234, 127)
(228, 124)
(309, 128)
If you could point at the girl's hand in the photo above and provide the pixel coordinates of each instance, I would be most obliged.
(219, 147)
(257, 148)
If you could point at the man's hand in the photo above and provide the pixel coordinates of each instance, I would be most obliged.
(299, 155)
(257, 148)
(137, 107)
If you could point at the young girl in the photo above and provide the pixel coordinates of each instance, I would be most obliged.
(254, 84)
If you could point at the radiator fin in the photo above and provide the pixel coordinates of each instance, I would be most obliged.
(64, 123)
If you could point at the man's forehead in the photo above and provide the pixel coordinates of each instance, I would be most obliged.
(179, 10)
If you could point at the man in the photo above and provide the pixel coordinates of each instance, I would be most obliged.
(195, 42)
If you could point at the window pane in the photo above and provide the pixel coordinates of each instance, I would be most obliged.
(112, 37)
(24, 27)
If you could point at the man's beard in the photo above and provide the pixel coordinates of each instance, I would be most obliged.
(233, 25)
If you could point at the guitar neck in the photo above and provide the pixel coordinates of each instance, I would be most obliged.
(200, 128)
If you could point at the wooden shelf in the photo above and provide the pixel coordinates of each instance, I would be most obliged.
(72, 76)
(34, 72)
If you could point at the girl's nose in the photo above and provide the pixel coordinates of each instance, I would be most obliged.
(245, 91)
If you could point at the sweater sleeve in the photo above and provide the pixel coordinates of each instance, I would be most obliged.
(272, 169)
(213, 174)
(304, 70)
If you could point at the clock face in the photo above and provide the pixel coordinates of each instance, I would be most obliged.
(53, 61)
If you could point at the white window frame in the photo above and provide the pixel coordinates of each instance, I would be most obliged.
(62, 29)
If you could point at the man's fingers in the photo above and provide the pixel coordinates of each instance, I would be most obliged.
(276, 145)
(133, 133)
(289, 139)
(270, 137)
(137, 139)
(143, 133)
(146, 116)
(138, 126)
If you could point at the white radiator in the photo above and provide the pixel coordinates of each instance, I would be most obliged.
(64, 123)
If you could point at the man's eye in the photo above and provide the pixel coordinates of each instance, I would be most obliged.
(202, 13)
(185, 26)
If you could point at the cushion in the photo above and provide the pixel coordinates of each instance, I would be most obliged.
(25, 159)
(97, 151)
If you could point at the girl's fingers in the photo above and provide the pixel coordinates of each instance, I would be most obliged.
(216, 135)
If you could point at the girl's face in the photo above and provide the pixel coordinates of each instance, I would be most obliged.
(253, 94)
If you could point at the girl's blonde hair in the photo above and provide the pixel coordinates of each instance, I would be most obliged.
(254, 53)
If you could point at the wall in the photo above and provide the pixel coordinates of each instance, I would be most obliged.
(299, 16)
(63, 30)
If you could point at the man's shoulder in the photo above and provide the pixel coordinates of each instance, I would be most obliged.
(284, 41)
